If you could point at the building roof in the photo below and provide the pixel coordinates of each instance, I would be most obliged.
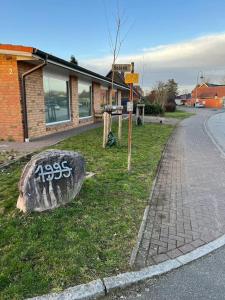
(28, 51)
(214, 85)
(209, 90)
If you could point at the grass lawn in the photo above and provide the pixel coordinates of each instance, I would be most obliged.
(91, 237)
(178, 114)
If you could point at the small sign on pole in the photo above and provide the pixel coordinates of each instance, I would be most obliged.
(131, 78)
(130, 106)
(121, 67)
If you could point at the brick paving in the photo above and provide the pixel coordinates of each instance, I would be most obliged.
(187, 208)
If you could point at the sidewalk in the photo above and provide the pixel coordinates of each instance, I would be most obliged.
(47, 140)
(187, 208)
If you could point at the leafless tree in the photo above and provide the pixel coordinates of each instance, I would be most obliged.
(116, 38)
(161, 93)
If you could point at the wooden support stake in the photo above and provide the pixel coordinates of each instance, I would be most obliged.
(104, 129)
(120, 128)
(143, 115)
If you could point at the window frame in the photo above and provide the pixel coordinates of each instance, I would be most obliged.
(91, 100)
(67, 79)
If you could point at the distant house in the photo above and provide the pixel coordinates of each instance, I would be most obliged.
(125, 94)
(41, 94)
(183, 99)
(211, 95)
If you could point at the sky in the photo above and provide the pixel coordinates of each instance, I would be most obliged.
(165, 39)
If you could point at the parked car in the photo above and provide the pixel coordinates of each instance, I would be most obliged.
(199, 105)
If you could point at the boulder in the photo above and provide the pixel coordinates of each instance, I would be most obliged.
(50, 179)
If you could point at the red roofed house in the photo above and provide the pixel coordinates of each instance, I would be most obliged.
(42, 94)
(211, 95)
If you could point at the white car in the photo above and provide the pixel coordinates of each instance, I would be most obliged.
(199, 105)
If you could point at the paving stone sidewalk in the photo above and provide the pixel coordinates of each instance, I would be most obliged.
(187, 208)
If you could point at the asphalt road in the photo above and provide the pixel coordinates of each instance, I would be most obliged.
(202, 279)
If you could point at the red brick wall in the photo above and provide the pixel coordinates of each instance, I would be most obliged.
(36, 106)
(34, 99)
(10, 113)
(11, 126)
(96, 96)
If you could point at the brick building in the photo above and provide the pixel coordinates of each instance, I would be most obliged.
(211, 95)
(41, 94)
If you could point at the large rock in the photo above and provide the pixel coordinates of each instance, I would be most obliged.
(51, 179)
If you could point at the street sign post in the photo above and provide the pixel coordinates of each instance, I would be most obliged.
(121, 67)
(131, 81)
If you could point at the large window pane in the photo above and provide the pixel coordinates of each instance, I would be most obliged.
(84, 95)
(56, 99)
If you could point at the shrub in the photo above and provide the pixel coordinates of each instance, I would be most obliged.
(170, 106)
(154, 109)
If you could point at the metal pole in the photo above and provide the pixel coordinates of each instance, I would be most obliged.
(130, 124)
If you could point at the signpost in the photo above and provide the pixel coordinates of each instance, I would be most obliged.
(121, 67)
(130, 78)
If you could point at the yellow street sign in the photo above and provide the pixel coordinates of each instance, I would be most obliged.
(131, 78)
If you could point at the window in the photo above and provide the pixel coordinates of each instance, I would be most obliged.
(84, 95)
(56, 91)
(114, 97)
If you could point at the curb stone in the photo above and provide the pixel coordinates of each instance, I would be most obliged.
(87, 291)
(210, 135)
(125, 279)
(99, 288)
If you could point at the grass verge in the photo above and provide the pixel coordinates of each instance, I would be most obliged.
(178, 114)
(91, 237)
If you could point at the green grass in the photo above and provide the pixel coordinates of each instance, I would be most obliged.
(178, 114)
(91, 237)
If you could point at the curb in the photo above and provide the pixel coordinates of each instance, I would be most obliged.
(210, 135)
(90, 290)
(99, 288)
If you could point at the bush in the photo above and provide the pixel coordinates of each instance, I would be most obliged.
(154, 109)
(170, 106)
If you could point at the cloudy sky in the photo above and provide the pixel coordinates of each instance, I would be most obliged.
(183, 61)
(166, 39)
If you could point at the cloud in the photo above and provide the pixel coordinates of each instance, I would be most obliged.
(181, 61)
